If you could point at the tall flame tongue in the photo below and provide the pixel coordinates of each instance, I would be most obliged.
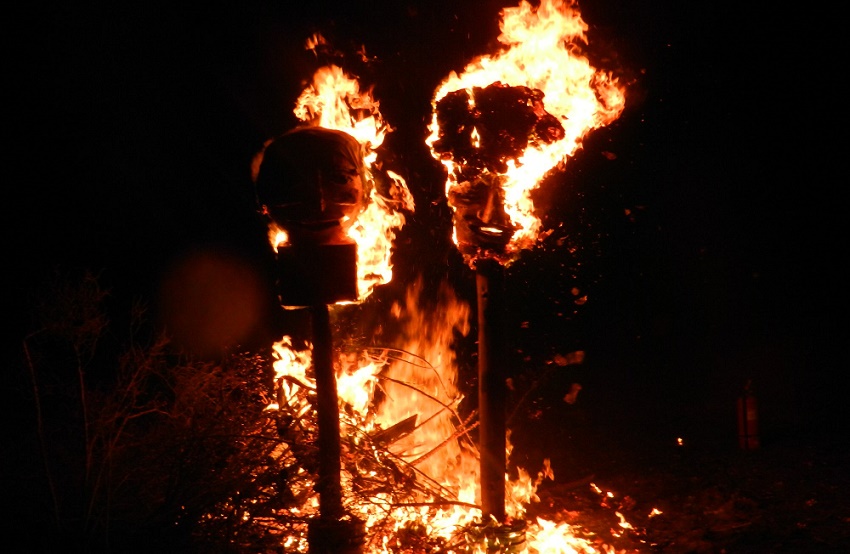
(510, 118)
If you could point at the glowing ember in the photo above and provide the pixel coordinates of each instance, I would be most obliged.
(509, 118)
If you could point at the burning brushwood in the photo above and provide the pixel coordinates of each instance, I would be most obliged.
(400, 429)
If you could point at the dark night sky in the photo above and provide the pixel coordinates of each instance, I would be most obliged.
(709, 246)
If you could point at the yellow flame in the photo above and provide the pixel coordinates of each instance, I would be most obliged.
(356, 382)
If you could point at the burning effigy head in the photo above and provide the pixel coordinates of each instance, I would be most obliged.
(480, 130)
(317, 185)
(311, 182)
(509, 118)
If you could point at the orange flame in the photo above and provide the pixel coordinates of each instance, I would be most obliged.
(542, 51)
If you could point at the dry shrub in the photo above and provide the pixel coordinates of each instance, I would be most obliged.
(137, 444)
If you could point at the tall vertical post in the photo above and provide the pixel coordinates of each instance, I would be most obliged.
(334, 531)
(329, 467)
(310, 181)
(491, 387)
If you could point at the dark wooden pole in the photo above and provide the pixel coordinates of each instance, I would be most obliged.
(491, 387)
(334, 531)
(328, 484)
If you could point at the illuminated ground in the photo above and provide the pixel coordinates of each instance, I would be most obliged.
(789, 496)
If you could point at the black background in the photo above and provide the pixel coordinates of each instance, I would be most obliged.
(709, 245)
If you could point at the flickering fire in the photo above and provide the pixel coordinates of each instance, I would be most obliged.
(410, 470)
(508, 119)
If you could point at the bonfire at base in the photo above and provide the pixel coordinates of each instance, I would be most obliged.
(410, 467)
